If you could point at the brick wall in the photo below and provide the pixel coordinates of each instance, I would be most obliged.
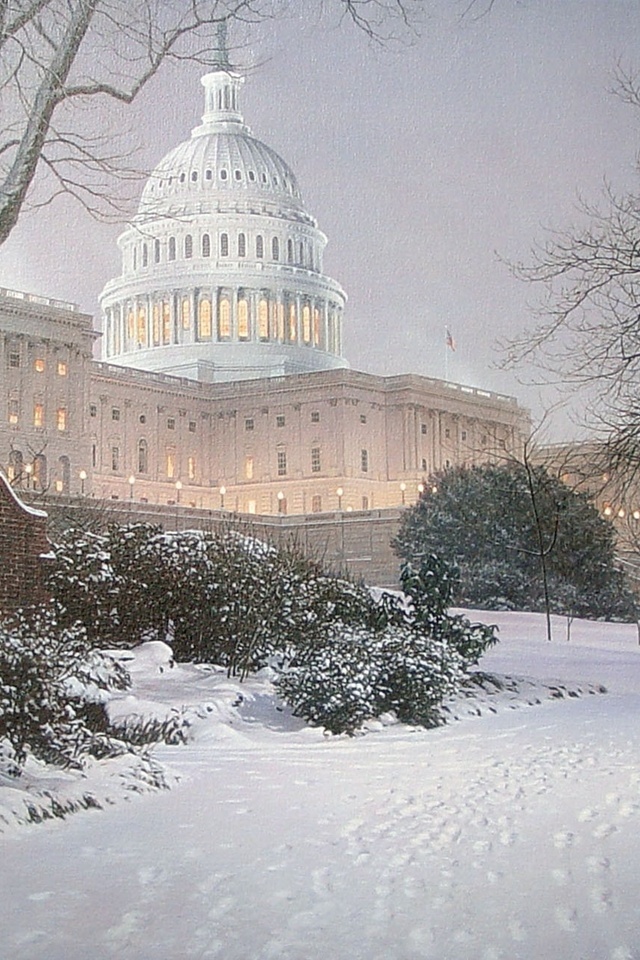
(23, 541)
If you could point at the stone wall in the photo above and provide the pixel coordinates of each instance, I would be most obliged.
(23, 542)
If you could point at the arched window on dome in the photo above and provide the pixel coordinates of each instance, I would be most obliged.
(237, 174)
(186, 313)
(224, 319)
(301, 256)
(156, 324)
(143, 457)
(242, 244)
(280, 321)
(224, 244)
(204, 319)
(293, 322)
(166, 322)
(316, 326)
(194, 176)
(145, 255)
(259, 247)
(264, 178)
(275, 249)
(142, 327)
(206, 245)
(208, 174)
(156, 251)
(135, 258)
(172, 248)
(263, 319)
(227, 98)
(243, 319)
(223, 174)
(289, 250)
(188, 247)
(306, 323)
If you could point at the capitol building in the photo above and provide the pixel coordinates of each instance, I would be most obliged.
(222, 383)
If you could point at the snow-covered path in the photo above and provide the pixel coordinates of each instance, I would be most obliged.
(512, 836)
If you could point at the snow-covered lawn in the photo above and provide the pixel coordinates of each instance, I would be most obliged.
(513, 835)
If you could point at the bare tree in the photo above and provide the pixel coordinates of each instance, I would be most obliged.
(588, 330)
(60, 56)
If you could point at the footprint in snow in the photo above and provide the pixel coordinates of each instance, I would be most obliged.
(604, 830)
(566, 918)
(600, 900)
(596, 865)
(563, 840)
(586, 815)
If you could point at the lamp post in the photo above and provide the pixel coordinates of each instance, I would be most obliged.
(280, 496)
(28, 470)
(83, 477)
(403, 490)
(132, 481)
(178, 489)
(223, 490)
(420, 489)
(340, 493)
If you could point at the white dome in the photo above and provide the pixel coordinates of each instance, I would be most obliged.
(222, 265)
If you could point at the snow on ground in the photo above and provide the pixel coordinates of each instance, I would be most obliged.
(510, 836)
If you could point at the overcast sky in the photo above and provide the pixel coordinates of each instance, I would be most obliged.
(423, 163)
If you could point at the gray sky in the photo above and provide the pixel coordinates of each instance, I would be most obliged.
(421, 163)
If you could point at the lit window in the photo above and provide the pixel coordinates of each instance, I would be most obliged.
(188, 247)
(364, 461)
(186, 314)
(204, 319)
(282, 463)
(191, 468)
(315, 416)
(224, 244)
(259, 247)
(275, 249)
(172, 248)
(131, 323)
(365, 503)
(39, 365)
(316, 504)
(38, 414)
(242, 245)
(315, 460)
(293, 322)
(263, 319)
(316, 326)
(13, 411)
(206, 244)
(306, 324)
(248, 468)
(243, 319)
(171, 464)
(115, 414)
(280, 420)
(142, 327)
(224, 319)
(249, 423)
(281, 321)
(156, 324)
(251, 506)
(166, 322)
(171, 423)
(61, 419)
(14, 359)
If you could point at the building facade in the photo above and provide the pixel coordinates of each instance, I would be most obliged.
(222, 383)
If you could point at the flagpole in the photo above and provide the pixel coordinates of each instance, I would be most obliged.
(446, 353)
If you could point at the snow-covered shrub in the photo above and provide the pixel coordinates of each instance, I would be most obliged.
(431, 586)
(335, 684)
(52, 689)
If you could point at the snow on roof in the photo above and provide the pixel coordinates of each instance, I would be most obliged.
(32, 511)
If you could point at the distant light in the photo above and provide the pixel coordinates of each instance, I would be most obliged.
(607, 511)
(83, 474)
(132, 480)
(280, 495)
(621, 512)
(636, 514)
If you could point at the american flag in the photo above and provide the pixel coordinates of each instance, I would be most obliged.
(449, 340)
